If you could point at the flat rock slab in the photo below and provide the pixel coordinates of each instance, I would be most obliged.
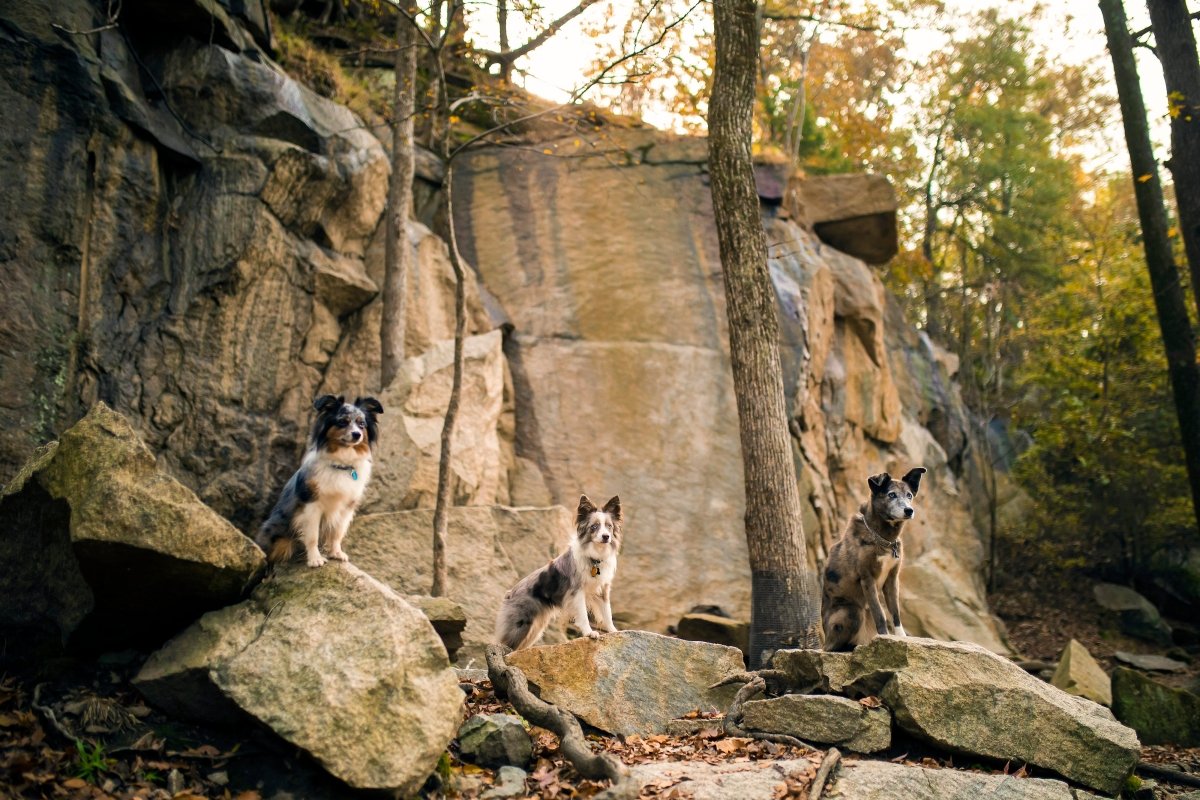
(133, 555)
(822, 718)
(1152, 663)
(632, 681)
(333, 661)
(856, 780)
(1080, 674)
(966, 699)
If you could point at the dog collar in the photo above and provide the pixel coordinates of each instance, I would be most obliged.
(595, 567)
(894, 546)
(347, 468)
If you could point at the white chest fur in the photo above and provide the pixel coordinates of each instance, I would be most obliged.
(339, 483)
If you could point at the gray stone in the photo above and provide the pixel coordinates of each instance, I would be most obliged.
(631, 681)
(495, 740)
(966, 699)
(1137, 615)
(854, 780)
(489, 549)
(1079, 674)
(1153, 663)
(879, 780)
(333, 661)
(510, 782)
(715, 629)
(822, 718)
(91, 528)
(1160, 714)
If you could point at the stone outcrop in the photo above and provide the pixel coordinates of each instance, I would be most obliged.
(629, 304)
(966, 699)
(330, 659)
(488, 550)
(822, 718)
(103, 547)
(632, 681)
(716, 629)
(191, 238)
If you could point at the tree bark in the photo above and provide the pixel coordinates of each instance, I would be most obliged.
(397, 253)
(784, 605)
(1169, 298)
(1175, 44)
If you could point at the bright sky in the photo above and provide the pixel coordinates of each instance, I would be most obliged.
(1071, 29)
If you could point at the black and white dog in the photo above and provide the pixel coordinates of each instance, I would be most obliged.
(318, 503)
(579, 580)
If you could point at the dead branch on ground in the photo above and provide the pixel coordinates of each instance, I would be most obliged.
(511, 682)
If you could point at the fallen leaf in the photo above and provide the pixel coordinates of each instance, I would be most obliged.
(1144, 178)
(871, 702)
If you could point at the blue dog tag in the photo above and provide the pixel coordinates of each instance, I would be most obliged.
(353, 474)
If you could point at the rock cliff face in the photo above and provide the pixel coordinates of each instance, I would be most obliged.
(608, 270)
(193, 237)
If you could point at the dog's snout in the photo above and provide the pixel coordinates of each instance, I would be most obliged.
(356, 435)
(604, 537)
(908, 512)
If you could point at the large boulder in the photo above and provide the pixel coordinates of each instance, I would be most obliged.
(966, 699)
(330, 659)
(632, 681)
(856, 780)
(822, 718)
(1079, 674)
(1159, 713)
(488, 549)
(700, 627)
(107, 549)
(1137, 616)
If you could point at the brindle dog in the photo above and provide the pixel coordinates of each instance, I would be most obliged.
(866, 559)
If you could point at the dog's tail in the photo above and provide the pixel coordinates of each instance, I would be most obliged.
(281, 549)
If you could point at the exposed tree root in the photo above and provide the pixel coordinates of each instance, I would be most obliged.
(511, 682)
(733, 717)
(832, 758)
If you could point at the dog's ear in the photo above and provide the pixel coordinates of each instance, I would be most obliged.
(328, 402)
(586, 508)
(369, 404)
(913, 478)
(613, 508)
(879, 483)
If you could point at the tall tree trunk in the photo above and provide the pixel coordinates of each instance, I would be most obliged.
(1164, 273)
(397, 253)
(441, 511)
(1175, 44)
(502, 27)
(784, 605)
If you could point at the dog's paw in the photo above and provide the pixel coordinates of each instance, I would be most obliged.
(592, 634)
(316, 561)
(900, 631)
(338, 555)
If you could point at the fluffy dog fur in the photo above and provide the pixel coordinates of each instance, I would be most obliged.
(866, 559)
(318, 503)
(579, 580)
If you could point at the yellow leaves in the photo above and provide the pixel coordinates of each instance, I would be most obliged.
(455, 118)
(1172, 232)
(1144, 178)
(1175, 104)
(548, 151)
